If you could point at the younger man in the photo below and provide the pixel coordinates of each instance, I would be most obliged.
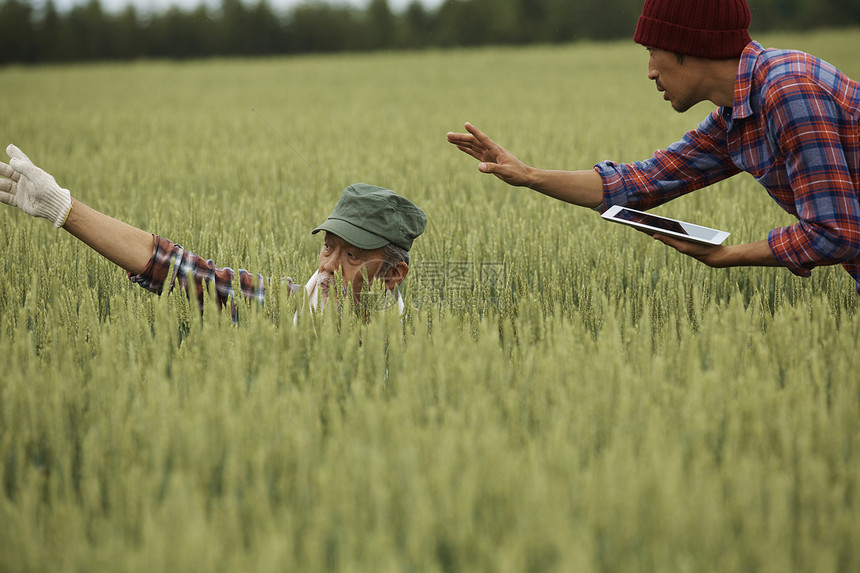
(788, 118)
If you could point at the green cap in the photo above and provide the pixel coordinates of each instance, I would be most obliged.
(370, 217)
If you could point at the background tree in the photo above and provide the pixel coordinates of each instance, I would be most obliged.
(381, 26)
(251, 27)
(319, 27)
(17, 38)
(416, 27)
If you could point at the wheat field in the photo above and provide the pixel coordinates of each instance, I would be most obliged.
(564, 394)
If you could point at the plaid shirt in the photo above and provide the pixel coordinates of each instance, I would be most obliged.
(795, 126)
(171, 264)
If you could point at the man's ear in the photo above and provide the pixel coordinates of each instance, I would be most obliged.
(395, 275)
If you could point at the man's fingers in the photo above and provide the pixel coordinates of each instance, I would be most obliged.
(689, 248)
(676, 244)
(461, 138)
(8, 185)
(475, 136)
(477, 154)
(23, 167)
(485, 150)
(467, 143)
(479, 135)
(493, 168)
(475, 143)
(500, 171)
(8, 172)
(16, 153)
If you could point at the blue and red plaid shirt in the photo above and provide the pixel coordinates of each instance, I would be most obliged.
(171, 265)
(795, 126)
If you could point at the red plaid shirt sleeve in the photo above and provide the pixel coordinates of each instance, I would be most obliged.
(698, 160)
(171, 265)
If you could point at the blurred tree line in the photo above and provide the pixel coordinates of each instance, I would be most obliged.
(88, 32)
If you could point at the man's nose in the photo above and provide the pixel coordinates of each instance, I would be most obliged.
(331, 264)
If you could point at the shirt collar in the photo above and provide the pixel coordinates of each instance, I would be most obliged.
(743, 83)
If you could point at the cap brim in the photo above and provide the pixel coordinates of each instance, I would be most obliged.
(353, 235)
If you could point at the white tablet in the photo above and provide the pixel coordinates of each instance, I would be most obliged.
(652, 224)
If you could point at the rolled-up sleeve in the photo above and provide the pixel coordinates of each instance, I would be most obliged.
(698, 160)
(171, 265)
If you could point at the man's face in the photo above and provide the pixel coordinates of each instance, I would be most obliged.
(677, 80)
(355, 264)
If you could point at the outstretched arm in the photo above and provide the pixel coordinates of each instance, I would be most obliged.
(150, 261)
(119, 242)
(36, 193)
(584, 188)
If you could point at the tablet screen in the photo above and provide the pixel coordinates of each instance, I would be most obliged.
(652, 221)
(655, 223)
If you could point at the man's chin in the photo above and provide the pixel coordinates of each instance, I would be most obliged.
(681, 107)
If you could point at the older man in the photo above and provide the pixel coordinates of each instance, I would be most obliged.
(788, 118)
(367, 238)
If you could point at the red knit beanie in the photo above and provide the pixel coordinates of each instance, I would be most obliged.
(715, 29)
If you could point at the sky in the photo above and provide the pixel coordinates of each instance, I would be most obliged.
(160, 5)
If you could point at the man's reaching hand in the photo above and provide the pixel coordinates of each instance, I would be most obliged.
(493, 157)
(33, 190)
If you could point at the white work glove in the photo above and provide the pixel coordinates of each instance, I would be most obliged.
(32, 190)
